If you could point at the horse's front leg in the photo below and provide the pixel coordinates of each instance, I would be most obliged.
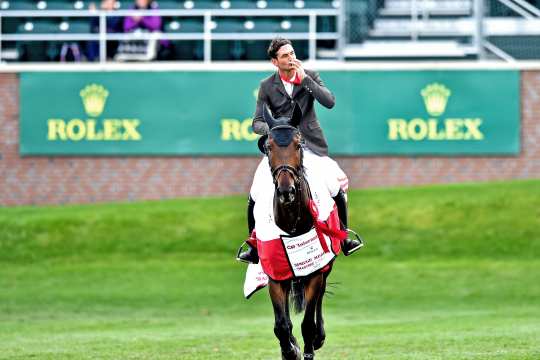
(320, 334)
(293, 339)
(279, 292)
(313, 289)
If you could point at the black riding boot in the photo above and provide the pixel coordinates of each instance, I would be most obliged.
(250, 255)
(348, 246)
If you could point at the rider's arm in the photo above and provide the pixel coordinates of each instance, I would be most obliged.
(314, 85)
(259, 125)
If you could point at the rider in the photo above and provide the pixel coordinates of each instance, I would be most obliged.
(292, 86)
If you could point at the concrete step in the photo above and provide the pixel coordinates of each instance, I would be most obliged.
(409, 49)
(406, 27)
(427, 7)
(460, 27)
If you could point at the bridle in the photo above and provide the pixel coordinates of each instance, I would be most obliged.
(293, 171)
(297, 173)
(298, 178)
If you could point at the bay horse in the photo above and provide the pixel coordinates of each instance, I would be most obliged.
(283, 147)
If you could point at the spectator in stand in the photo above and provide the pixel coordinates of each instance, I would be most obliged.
(114, 25)
(149, 23)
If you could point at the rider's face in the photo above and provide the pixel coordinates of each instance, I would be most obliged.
(284, 57)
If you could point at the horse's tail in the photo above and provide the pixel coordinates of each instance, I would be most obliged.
(298, 295)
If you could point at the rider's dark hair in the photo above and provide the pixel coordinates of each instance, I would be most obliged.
(275, 45)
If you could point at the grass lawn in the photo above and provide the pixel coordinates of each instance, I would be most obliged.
(448, 272)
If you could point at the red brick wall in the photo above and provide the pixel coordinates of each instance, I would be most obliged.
(60, 180)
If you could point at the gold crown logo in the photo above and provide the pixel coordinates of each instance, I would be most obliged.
(435, 98)
(94, 97)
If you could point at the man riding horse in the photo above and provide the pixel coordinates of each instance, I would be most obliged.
(288, 90)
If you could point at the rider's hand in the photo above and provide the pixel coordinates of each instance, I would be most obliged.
(297, 64)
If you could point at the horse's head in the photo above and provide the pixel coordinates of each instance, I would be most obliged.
(284, 149)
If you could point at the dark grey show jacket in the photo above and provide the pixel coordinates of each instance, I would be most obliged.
(273, 93)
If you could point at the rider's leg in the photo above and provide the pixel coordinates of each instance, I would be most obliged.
(337, 183)
(250, 255)
(341, 204)
(261, 181)
(250, 217)
(348, 245)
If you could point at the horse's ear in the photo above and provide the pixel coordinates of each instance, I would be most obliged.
(267, 116)
(296, 116)
(262, 144)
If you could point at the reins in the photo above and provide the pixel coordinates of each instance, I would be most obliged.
(299, 179)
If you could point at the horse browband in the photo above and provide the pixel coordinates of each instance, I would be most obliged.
(295, 172)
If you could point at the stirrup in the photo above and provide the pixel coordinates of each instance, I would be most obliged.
(350, 231)
(240, 250)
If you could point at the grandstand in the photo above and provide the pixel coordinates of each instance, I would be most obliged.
(213, 30)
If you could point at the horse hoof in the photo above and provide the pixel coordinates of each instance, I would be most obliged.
(318, 343)
(294, 354)
(294, 342)
(298, 353)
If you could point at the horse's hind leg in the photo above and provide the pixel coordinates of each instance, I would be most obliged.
(313, 291)
(279, 292)
(320, 334)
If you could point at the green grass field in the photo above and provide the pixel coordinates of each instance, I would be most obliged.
(448, 272)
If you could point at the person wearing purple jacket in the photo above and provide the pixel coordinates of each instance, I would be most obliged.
(149, 23)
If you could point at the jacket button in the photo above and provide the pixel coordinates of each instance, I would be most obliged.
(292, 101)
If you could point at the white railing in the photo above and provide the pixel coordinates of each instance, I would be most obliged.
(474, 26)
(207, 35)
(522, 8)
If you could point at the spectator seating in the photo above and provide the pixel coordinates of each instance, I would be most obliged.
(254, 31)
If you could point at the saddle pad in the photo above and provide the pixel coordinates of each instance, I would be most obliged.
(304, 255)
(262, 192)
(286, 257)
(255, 280)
